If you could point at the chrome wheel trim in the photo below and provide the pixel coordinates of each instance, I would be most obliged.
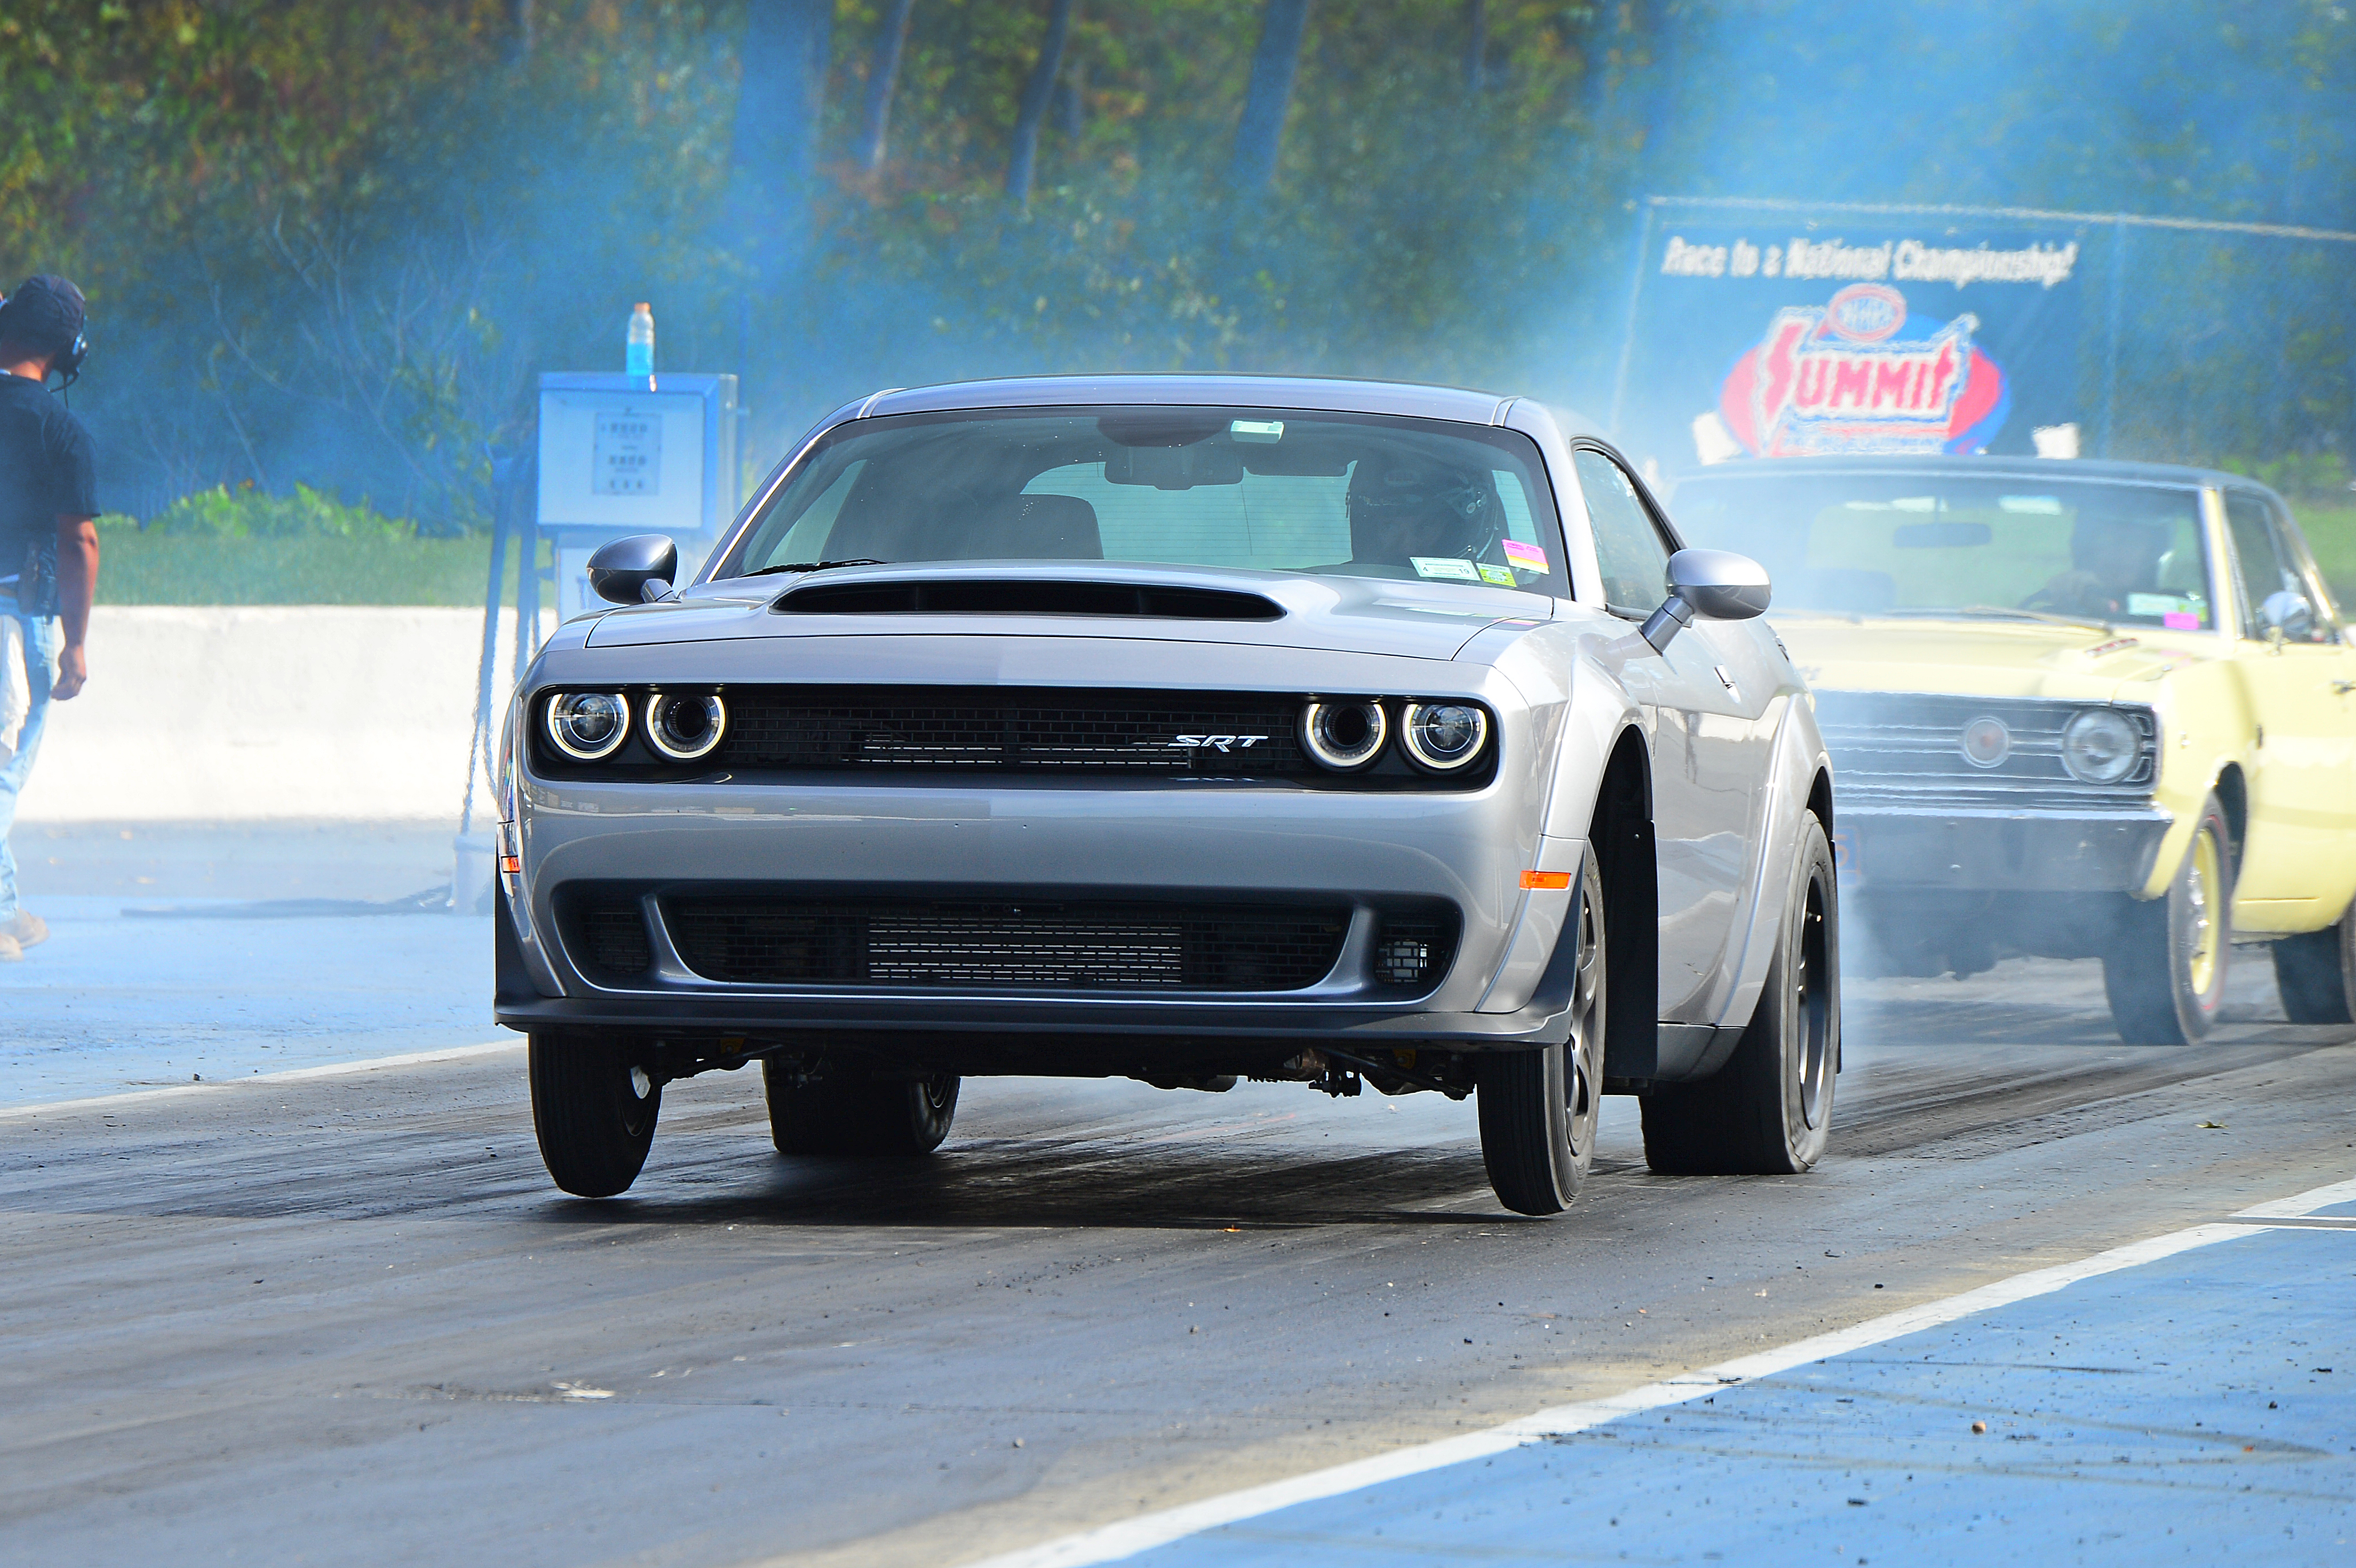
(2203, 936)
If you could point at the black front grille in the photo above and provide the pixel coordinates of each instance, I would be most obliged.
(612, 932)
(980, 946)
(1000, 730)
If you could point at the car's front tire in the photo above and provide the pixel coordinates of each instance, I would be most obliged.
(845, 1111)
(2165, 972)
(594, 1105)
(1539, 1108)
(1768, 1111)
(2317, 974)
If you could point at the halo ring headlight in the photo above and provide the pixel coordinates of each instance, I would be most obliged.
(588, 725)
(685, 728)
(2100, 746)
(1344, 736)
(1444, 737)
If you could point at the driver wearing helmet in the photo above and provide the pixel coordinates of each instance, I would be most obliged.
(1403, 505)
(2113, 553)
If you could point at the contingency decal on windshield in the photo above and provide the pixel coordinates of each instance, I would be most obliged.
(1502, 576)
(1528, 557)
(1443, 566)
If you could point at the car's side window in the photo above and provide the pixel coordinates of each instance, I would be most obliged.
(2275, 591)
(1629, 548)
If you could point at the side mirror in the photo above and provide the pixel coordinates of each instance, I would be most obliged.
(1715, 585)
(2287, 615)
(634, 571)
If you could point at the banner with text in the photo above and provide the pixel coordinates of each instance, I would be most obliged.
(1793, 339)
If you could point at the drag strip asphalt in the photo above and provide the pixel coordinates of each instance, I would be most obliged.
(340, 1317)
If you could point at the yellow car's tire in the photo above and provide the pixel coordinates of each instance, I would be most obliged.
(594, 1106)
(2317, 974)
(1768, 1111)
(845, 1111)
(2164, 972)
(1540, 1109)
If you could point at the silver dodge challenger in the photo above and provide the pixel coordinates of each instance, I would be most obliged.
(1187, 729)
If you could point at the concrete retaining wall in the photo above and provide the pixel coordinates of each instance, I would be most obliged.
(241, 713)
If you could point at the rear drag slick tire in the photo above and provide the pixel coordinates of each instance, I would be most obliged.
(844, 1112)
(594, 1106)
(1768, 1111)
(1539, 1108)
(2316, 973)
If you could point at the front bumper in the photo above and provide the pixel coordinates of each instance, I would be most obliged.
(1990, 849)
(1466, 849)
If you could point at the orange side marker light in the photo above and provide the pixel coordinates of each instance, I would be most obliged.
(1546, 879)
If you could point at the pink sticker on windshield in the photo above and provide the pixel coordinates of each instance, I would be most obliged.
(1528, 557)
(2180, 621)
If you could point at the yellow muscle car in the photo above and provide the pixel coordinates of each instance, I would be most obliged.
(2075, 710)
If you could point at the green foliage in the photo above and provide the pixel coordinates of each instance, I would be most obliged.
(153, 568)
(2319, 475)
(250, 513)
(2330, 532)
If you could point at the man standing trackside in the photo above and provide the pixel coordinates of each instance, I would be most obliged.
(49, 550)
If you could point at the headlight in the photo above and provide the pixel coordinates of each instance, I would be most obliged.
(588, 724)
(2100, 747)
(685, 728)
(1443, 736)
(1344, 736)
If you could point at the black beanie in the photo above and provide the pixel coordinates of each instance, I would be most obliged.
(45, 315)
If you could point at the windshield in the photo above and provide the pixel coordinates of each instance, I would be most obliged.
(1884, 544)
(1267, 489)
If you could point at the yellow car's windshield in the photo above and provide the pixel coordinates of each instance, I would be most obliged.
(1888, 544)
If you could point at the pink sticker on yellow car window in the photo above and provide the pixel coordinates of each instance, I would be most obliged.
(2180, 621)
(1528, 557)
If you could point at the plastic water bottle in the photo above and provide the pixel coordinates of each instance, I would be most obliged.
(639, 359)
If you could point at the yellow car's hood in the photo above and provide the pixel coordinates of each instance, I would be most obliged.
(1988, 657)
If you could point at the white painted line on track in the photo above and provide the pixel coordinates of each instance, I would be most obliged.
(1110, 1542)
(2301, 1203)
(293, 1074)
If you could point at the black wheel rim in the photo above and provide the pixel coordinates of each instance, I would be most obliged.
(1812, 1003)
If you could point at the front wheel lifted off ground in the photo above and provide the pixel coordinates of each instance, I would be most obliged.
(2164, 971)
(845, 1111)
(594, 1106)
(1539, 1108)
(1768, 1111)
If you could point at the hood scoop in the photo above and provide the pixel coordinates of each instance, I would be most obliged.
(1025, 596)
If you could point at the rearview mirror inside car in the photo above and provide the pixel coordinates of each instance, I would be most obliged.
(634, 570)
(1715, 585)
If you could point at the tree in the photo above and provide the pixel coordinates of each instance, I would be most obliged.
(1260, 136)
(1024, 157)
(778, 100)
(883, 78)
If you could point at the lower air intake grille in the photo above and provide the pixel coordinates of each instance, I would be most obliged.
(613, 936)
(984, 946)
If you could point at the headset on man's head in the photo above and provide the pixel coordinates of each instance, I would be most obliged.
(66, 364)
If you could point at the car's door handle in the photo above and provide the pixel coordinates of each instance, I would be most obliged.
(2343, 688)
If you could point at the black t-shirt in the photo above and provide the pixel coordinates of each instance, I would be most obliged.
(46, 468)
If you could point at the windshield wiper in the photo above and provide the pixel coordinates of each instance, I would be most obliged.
(816, 565)
(1921, 612)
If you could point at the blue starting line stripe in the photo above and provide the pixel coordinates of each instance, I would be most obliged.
(2187, 1398)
